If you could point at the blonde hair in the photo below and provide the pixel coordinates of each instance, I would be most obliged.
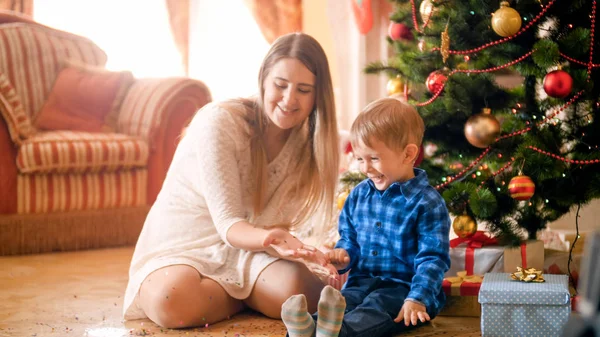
(390, 121)
(317, 165)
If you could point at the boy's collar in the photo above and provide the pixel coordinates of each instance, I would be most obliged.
(408, 188)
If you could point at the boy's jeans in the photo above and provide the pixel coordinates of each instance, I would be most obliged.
(371, 307)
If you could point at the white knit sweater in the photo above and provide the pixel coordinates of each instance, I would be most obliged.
(207, 189)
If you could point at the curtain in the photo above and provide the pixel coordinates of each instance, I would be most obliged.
(179, 19)
(276, 17)
(19, 6)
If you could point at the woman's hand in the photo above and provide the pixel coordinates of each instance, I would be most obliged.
(286, 245)
(291, 248)
(339, 258)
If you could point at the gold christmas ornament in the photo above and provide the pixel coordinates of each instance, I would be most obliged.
(445, 46)
(482, 129)
(395, 86)
(426, 9)
(506, 21)
(464, 226)
(341, 199)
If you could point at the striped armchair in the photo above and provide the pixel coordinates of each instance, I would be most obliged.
(69, 190)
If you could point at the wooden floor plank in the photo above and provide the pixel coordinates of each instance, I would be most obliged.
(81, 294)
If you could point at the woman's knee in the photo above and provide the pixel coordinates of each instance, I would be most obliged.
(303, 281)
(166, 295)
(300, 280)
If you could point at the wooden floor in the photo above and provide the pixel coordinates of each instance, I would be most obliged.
(81, 294)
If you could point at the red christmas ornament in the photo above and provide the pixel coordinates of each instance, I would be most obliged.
(521, 187)
(558, 84)
(435, 81)
(420, 156)
(399, 31)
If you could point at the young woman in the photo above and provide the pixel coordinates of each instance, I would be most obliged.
(247, 172)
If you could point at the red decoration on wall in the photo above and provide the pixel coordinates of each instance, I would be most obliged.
(363, 15)
(348, 148)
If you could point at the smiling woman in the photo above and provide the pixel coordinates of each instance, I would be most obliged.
(135, 34)
(289, 93)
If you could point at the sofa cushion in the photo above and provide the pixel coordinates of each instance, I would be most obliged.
(11, 109)
(32, 55)
(75, 151)
(84, 98)
(67, 192)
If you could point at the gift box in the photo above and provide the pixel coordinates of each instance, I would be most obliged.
(478, 254)
(515, 308)
(461, 296)
(462, 285)
(530, 254)
(560, 239)
(556, 262)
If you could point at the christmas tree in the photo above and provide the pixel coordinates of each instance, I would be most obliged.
(514, 156)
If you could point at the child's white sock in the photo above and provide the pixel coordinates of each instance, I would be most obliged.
(331, 312)
(296, 318)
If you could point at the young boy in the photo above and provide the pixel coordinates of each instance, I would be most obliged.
(394, 230)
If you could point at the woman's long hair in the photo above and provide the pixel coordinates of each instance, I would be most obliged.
(315, 182)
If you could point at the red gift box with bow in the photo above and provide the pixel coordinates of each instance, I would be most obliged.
(462, 291)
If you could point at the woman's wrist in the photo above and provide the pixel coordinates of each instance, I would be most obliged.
(244, 235)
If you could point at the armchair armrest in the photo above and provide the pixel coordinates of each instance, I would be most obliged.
(8, 171)
(157, 110)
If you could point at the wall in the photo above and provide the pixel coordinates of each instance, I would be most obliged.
(316, 24)
(331, 22)
(589, 218)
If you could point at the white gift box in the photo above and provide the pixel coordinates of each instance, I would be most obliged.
(485, 259)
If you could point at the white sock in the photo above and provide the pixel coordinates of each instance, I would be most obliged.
(331, 312)
(297, 320)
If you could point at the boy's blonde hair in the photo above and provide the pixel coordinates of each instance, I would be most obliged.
(390, 121)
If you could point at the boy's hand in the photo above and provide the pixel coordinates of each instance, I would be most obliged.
(411, 313)
(339, 258)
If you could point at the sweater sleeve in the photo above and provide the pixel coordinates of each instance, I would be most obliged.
(215, 158)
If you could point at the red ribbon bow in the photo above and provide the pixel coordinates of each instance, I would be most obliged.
(477, 240)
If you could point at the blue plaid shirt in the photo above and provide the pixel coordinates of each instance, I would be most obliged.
(400, 234)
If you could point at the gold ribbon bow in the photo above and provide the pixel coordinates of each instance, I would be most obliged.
(457, 281)
(528, 275)
(462, 276)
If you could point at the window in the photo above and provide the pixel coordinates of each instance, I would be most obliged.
(226, 47)
(135, 34)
